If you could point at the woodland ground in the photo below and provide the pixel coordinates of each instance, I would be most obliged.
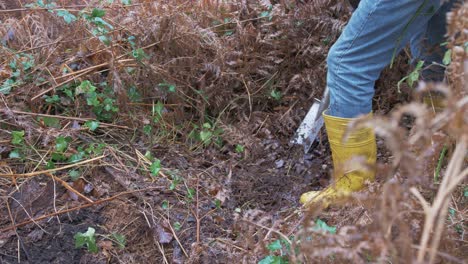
(165, 126)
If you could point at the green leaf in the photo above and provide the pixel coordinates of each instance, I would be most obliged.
(452, 212)
(52, 99)
(239, 148)
(67, 16)
(139, 54)
(87, 239)
(126, 2)
(6, 86)
(218, 204)
(50, 165)
(17, 137)
(264, 13)
(92, 124)
(465, 192)
(85, 87)
(120, 240)
(447, 57)
(275, 94)
(205, 135)
(92, 99)
(61, 143)
(15, 154)
(322, 226)
(76, 157)
(165, 204)
(177, 226)
(133, 94)
(207, 125)
(74, 175)
(155, 167)
(98, 12)
(149, 156)
(170, 87)
(190, 193)
(275, 245)
(58, 156)
(51, 121)
(158, 108)
(104, 39)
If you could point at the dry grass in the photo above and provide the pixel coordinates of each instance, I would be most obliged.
(226, 60)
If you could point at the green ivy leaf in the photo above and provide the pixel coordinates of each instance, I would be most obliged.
(240, 148)
(158, 108)
(217, 203)
(147, 129)
(205, 136)
(74, 175)
(322, 226)
(275, 245)
(177, 226)
(87, 239)
(170, 87)
(51, 121)
(92, 124)
(6, 86)
(275, 94)
(98, 12)
(139, 54)
(155, 167)
(67, 16)
(85, 87)
(61, 143)
(17, 137)
(15, 154)
(76, 157)
(120, 240)
(58, 156)
(165, 204)
(50, 165)
(190, 193)
(447, 57)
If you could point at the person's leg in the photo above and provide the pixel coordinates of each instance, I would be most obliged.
(377, 30)
(426, 45)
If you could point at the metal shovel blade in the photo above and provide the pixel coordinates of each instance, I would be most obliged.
(312, 123)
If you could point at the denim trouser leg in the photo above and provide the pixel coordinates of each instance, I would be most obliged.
(426, 45)
(376, 29)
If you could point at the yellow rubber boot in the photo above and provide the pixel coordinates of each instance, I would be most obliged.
(348, 176)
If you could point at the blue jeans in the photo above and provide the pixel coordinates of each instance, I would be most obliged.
(377, 31)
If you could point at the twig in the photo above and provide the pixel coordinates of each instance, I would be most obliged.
(162, 252)
(68, 187)
(83, 119)
(31, 174)
(436, 214)
(65, 8)
(73, 209)
(176, 238)
(58, 85)
(76, 75)
(270, 229)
